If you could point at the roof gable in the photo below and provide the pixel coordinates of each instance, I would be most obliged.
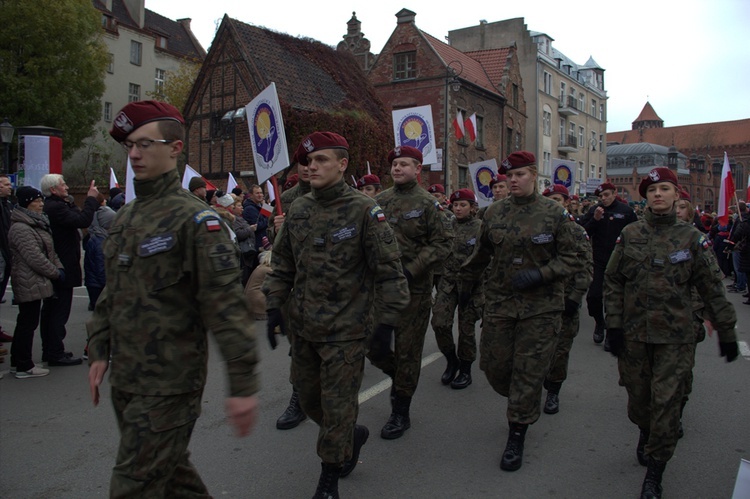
(473, 71)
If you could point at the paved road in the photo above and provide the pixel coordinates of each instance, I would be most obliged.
(54, 444)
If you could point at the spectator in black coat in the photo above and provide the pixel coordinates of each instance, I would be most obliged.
(251, 213)
(65, 220)
(5, 209)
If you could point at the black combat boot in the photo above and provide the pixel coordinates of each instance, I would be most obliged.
(599, 333)
(358, 440)
(513, 454)
(652, 483)
(293, 415)
(328, 484)
(606, 344)
(639, 451)
(552, 404)
(451, 369)
(399, 421)
(464, 376)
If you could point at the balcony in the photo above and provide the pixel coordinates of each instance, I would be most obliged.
(569, 143)
(568, 106)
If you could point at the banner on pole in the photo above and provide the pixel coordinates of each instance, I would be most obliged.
(414, 127)
(482, 174)
(267, 135)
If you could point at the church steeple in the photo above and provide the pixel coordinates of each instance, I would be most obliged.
(648, 119)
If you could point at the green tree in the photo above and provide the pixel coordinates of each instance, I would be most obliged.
(52, 65)
(177, 85)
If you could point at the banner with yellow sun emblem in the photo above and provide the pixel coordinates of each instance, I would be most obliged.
(563, 173)
(270, 153)
(482, 174)
(413, 127)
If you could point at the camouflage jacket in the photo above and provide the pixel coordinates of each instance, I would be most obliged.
(289, 195)
(465, 233)
(423, 231)
(172, 275)
(335, 258)
(649, 278)
(578, 284)
(517, 233)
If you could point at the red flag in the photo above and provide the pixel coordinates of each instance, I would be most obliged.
(458, 125)
(726, 192)
(471, 127)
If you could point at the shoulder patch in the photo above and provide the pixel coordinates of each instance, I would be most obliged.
(377, 214)
(704, 242)
(204, 215)
(439, 206)
(619, 240)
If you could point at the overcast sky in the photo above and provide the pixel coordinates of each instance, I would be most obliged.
(690, 59)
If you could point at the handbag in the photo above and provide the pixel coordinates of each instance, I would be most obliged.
(246, 246)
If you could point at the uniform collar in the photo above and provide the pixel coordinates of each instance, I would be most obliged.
(660, 220)
(147, 189)
(332, 192)
(408, 186)
(521, 200)
(304, 187)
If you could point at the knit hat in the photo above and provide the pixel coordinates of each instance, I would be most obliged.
(226, 200)
(405, 152)
(655, 176)
(517, 159)
(196, 183)
(26, 194)
(137, 114)
(463, 195)
(556, 189)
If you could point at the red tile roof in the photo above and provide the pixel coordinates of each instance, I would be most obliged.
(689, 137)
(648, 114)
(493, 61)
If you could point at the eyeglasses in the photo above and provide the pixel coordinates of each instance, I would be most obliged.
(142, 144)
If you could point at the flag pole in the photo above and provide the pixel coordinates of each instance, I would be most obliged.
(275, 184)
(737, 204)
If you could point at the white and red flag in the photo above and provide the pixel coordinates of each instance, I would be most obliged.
(458, 125)
(112, 179)
(231, 183)
(726, 192)
(471, 127)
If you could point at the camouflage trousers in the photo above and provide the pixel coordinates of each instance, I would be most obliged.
(700, 335)
(654, 376)
(152, 460)
(515, 356)
(558, 369)
(405, 363)
(443, 311)
(327, 376)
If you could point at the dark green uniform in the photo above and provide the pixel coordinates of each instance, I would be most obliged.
(648, 282)
(335, 258)
(424, 236)
(172, 275)
(465, 234)
(521, 327)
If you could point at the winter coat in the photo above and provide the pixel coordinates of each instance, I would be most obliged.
(35, 263)
(93, 260)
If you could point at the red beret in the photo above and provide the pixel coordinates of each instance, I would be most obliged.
(291, 181)
(685, 195)
(137, 114)
(517, 159)
(556, 189)
(405, 152)
(463, 195)
(655, 176)
(436, 188)
(368, 180)
(317, 141)
(575, 197)
(605, 186)
(498, 179)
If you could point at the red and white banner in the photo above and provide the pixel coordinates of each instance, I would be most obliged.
(271, 191)
(190, 173)
(726, 192)
(113, 179)
(458, 125)
(42, 154)
(231, 183)
(471, 127)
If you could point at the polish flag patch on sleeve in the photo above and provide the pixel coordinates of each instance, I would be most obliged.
(213, 225)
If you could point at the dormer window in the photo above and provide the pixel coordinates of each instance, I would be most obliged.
(161, 42)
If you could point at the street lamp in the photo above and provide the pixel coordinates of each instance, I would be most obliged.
(6, 134)
(453, 71)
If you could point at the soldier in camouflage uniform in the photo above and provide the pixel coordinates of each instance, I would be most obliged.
(172, 275)
(575, 287)
(531, 245)
(499, 186)
(465, 231)
(654, 338)
(334, 260)
(424, 237)
(369, 185)
(293, 415)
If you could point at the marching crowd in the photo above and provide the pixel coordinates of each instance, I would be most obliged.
(349, 273)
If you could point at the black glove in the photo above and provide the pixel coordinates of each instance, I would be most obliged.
(464, 293)
(729, 350)
(571, 307)
(616, 337)
(380, 346)
(274, 320)
(527, 279)
(61, 273)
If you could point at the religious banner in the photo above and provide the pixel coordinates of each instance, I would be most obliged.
(267, 136)
(563, 173)
(482, 174)
(414, 127)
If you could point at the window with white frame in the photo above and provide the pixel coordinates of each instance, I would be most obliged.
(159, 80)
(593, 108)
(111, 63)
(136, 52)
(581, 166)
(107, 111)
(547, 83)
(593, 141)
(562, 130)
(562, 91)
(547, 123)
(601, 112)
(601, 142)
(134, 92)
(582, 102)
(581, 144)
(592, 171)
(547, 165)
(405, 65)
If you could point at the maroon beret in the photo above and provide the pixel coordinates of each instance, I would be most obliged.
(436, 188)
(291, 181)
(517, 159)
(405, 152)
(498, 179)
(317, 141)
(463, 195)
(605, 187)
(655, 176)
(137, 114)
(556, 189)
(684, 194)
(575, 197)
(368, 180)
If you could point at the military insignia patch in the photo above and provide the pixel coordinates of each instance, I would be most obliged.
(213, 225)
(156, 244)
(682, 255)
(344, 233)
(542, 238)
(204, 215)
(438, 206)
(377, 214)
(703, 241)
(416, 213)
(223, 258)
(619, 240)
